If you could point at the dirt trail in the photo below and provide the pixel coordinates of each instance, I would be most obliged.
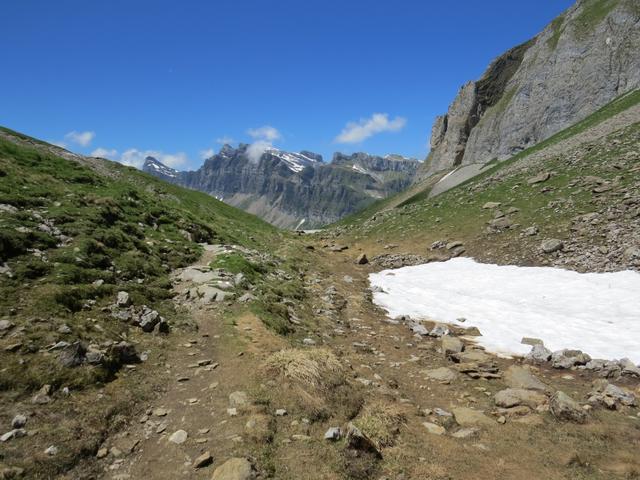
(388, 363)
(197, 397)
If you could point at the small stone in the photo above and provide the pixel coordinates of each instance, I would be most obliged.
(178, 437)
(123, 299)
(442, 374)
(466, 417)
(51, 450)
(465, 433)
(563, 407)
(102, 453)
(439, 330)
(334, 433)
(160, 412)
(308, 341)
(42, 397)
(362, 259)
(513, 397)
(15, 433)
(234, 469)
(539, 354)
(19, 421)
(434, 428)
(541, 177)
(451, 345)
(552, 245)
(491, 205)
(203, 460)
(64, 329)
(5, 325)
(281, 412)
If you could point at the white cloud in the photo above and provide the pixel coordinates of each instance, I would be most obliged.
(356, 132)
(256, 149)
(104, 153)
(225, 139)
(265, 132)
(208, 153)
(135, 158)
(264, 137)
(83, 139)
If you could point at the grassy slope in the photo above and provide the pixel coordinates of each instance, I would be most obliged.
(125, 228)
(129, 230)
(419, 194)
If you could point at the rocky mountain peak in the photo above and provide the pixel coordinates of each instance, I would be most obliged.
(157, 168)
(580, 62)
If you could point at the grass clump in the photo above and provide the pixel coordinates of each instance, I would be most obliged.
(381, 422)
(316, 368)
(238, 263)
(314, 382)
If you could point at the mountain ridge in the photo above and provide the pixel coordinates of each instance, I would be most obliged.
(290, 189)
(580, 62)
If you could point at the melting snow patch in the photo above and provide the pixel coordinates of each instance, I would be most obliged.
(598, 313)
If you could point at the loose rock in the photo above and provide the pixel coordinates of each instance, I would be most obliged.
(563, 407)
(234, 469)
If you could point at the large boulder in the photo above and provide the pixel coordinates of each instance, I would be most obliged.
(513, 397)
(451, 345)
(73, 355)
(563, 407)
(539, 354)
(521, 377)
(568, 358)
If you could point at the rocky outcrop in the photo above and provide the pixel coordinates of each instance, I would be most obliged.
(294, 190)
(583, 60)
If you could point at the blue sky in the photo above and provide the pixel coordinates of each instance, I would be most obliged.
(176, 78)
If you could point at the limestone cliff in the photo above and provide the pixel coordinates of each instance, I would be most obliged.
(581, 61)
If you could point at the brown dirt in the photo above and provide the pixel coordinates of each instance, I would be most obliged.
(292, 446)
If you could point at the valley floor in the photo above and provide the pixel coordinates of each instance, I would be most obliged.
(423, 416)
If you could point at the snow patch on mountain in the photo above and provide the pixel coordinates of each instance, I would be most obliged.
(160, 168)
(594, 312)
(295, 161)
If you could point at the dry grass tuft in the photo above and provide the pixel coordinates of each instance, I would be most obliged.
(314, 382)
(316, 368)
(381, 422)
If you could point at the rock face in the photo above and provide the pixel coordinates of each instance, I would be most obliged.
(581, 61)
(294, 190)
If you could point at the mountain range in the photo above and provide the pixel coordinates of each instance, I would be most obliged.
(294, 190)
